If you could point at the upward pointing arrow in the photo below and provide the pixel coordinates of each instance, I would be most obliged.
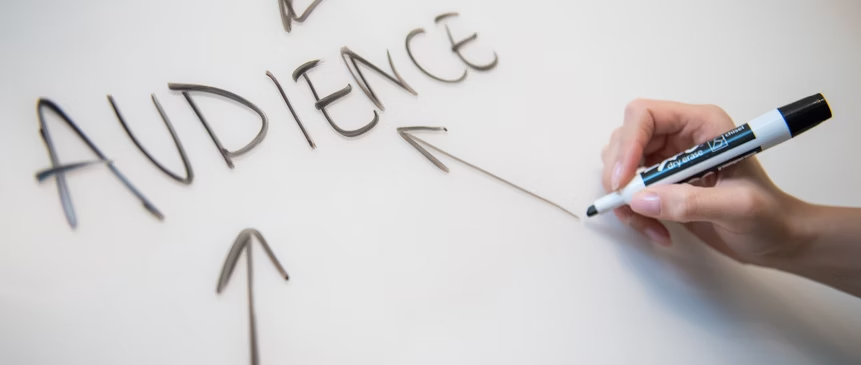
(404, 132)
(241, 243)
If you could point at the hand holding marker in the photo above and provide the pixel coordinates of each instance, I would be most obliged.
(742, 214)
(761, 133)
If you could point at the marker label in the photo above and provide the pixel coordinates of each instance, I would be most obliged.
(742, 157)
(698, 154)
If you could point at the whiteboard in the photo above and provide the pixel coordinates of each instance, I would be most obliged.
(391, 260)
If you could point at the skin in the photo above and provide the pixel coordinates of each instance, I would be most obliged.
(739, 211)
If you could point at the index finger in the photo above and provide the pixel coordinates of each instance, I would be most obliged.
(645, 119)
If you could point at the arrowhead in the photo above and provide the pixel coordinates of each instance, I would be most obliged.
(404, 132)
(232, 257)
(242, 242)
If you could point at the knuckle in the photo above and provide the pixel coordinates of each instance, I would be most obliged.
(688, 206)
(714, 109)
(638, 123)
(751, 204)
(605, 179)
(716, 113)
(635, 106)
(645, 129)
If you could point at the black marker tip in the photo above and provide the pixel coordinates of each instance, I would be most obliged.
(591, 211)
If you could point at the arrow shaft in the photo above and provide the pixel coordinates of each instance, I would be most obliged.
(252, 322)
(488, 173)
(243, 243)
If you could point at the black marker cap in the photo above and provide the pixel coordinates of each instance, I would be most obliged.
(805, 113)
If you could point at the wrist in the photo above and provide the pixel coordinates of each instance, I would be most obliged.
(825, 245)
(805, 230)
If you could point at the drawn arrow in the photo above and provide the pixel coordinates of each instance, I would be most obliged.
(414, 141)
(241, 243)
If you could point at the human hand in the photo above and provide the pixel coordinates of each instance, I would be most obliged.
(738, 211)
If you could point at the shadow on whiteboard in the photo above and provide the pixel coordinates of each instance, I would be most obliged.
(730, 303)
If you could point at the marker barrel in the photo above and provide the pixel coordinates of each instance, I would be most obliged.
(761, 133)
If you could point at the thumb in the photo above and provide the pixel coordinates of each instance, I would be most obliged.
(687, 203)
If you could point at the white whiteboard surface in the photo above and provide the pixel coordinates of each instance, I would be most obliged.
(391, 260)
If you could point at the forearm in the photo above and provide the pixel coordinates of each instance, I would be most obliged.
(830, 249)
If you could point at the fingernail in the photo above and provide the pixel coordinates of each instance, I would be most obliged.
(617, 176)
(657, 236)
(646, 204)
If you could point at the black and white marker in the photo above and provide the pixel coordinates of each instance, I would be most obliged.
(761, 133)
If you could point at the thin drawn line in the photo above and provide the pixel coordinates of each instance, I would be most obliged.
(409, 138)
(456, 46)
(227, 154)
(409, 39)
(441, 17)
(288, 14)
(331, 98)
(45, 174)
(189, 173)
(302, 71)
(363, 84)
(404, 133)
(290, 106)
